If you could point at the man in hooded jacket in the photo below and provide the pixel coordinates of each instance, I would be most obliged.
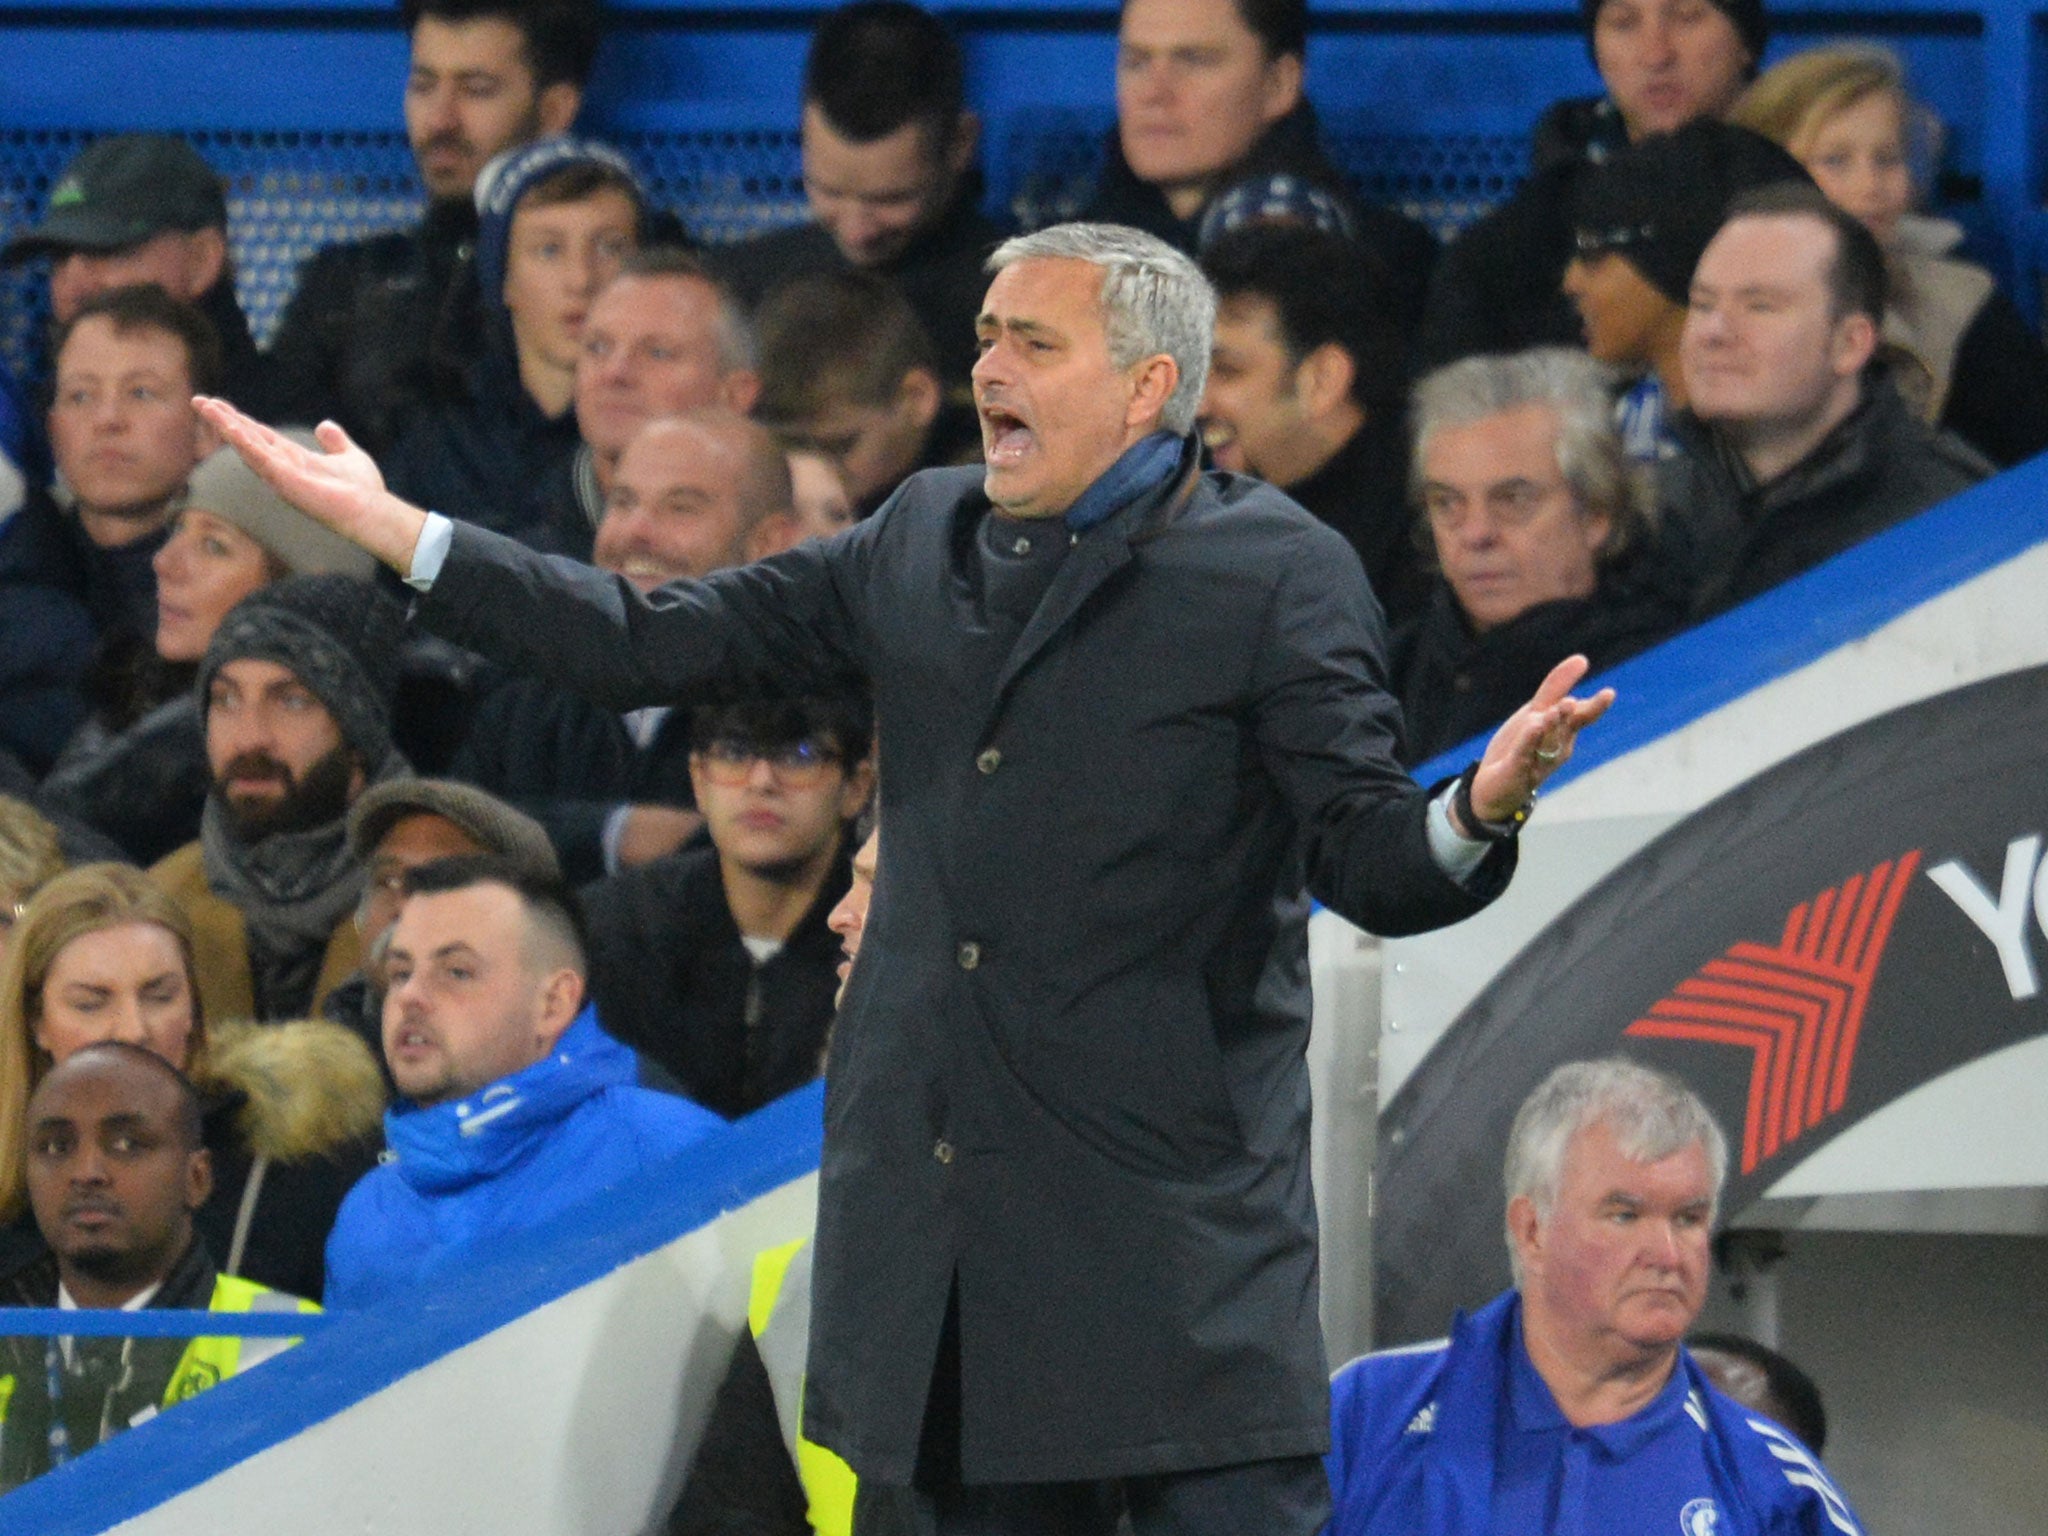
(516, 1105)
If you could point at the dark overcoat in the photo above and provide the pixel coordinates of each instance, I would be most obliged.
(1068, 1077)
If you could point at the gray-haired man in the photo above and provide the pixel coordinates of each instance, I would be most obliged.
(1133, 714)
(1567, 1403)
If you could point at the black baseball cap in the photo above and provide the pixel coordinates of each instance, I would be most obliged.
(121, 191)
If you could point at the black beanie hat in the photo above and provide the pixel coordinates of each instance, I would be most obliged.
(337, 635)
(1751, 24)
(1656, 204)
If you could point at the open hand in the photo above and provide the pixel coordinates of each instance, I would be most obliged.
(1535, 742)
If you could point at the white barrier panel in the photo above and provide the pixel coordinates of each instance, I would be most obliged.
(553, 1392)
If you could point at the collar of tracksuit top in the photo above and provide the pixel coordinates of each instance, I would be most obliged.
(442, 1147)
(1456, 1493)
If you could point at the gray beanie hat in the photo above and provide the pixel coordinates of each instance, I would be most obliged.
(338, 636)
(230, 490)
(509, 833)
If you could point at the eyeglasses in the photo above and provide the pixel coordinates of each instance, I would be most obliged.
(799, 764)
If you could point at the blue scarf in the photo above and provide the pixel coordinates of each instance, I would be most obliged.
(1144, 465)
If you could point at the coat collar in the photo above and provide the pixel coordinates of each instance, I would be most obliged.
(1098, 554)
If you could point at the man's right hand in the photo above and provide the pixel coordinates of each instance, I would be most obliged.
(341, 487)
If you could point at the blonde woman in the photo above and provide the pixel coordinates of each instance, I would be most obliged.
(1959, 350)
(293, 1110)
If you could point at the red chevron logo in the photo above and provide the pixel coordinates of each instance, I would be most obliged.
(1798, 1006)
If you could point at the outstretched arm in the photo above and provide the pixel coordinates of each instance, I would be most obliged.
(341, 487)
(1533, 743)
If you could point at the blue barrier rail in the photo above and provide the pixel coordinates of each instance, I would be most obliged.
(361, 1353)
(166, 1323)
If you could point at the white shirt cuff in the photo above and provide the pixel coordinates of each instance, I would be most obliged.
(430, 553)
(1456, 854)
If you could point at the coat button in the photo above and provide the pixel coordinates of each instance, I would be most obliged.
(943, 1151)
(989, 761)
(969, 955)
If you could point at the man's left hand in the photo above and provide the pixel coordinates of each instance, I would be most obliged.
(1534, 743)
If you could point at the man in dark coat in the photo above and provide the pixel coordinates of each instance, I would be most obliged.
(890, 176)
(1132, 719)
(1195, 151)
(359, 341)
(1795, 445)
(1664, 63)
(558, 217)
(78, 609)
(147, 208)
(1540, 524)
(1308, 389)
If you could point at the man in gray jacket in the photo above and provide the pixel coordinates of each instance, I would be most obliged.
(1134, 717)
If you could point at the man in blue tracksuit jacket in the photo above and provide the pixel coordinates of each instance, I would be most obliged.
(515, 1104)
(1568, 1404)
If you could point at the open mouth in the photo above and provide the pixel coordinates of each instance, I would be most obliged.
(411, 1043)
(1005, 432)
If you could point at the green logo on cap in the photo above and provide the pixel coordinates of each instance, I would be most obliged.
(68, 194)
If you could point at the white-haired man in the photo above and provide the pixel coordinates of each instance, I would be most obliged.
(1568, 1403)
(1066, 1247)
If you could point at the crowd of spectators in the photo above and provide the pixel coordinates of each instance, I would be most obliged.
(1705, 346)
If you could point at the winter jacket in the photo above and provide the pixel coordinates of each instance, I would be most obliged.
(1362, 492)
(1422, 1440)
(1454, 684)
(111, 1384)
(1498, 286)
(674, 981)
(469, 1174)
(143, 785)
(353, 344)
(296, 1110)
(569, 763)
(487, 454)
(62, 596)
(1730, 538)
(1407, 250)
(220, 939)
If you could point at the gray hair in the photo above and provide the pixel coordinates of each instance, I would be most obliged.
(1579, 391)
(1652, 1116)
(1154, 300)
(738, 348)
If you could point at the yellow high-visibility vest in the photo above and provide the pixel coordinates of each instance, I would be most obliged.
(779, 1317)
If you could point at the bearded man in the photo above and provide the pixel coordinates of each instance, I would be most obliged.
(296, 690)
